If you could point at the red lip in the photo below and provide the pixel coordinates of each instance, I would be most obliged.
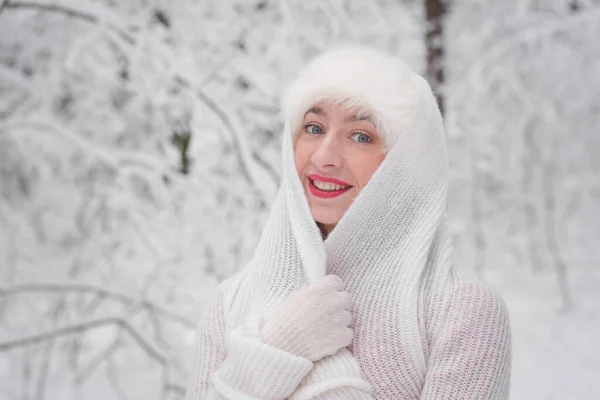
(315, 177)
(322, 193)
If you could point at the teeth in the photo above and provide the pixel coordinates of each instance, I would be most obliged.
(329, 186)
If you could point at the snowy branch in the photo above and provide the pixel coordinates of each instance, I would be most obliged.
(492, 55)
(89, 369)
(86, 288)
(241, 154)
(113, 158)
(84, 10)
(52, 8)
(83, 327)
(90, 325)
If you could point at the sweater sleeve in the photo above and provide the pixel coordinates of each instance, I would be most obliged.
(470, 356)
(237, 365)
(335, 377)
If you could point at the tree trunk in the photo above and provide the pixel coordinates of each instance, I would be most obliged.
(435, 11)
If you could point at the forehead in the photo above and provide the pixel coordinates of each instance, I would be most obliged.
(346, 110)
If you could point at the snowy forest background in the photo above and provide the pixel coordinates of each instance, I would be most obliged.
(139, 154)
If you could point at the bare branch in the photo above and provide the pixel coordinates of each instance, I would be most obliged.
(243, 158)
(490, 56)
(69, 9)
(113, 158)
(45, 369)
(113, 380)
(51, 8)
(86, 288)
(82, 327)
(171, 387)
(267, 167)
(89, 369)
(551, 234)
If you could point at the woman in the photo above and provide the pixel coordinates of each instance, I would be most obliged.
(350, 294)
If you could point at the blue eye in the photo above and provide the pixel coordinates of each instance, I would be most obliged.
(314, 129)
(361, 137)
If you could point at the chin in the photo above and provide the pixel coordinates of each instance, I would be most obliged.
(325, 218)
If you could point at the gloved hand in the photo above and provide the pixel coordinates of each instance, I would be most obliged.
(312, 322)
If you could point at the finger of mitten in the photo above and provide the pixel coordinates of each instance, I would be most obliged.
(300, 311)
(287, 321)
(324, 350)
(345, 300)
(336, 340)
(297, 306)
(342, 334)
(346, 337)
(346, 318)
(322, 294)
(332, 282)
(331, 343)
(334, 321)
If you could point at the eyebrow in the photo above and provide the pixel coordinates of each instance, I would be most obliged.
(352, 118)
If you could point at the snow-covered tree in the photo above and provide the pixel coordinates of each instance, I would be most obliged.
(139, 155)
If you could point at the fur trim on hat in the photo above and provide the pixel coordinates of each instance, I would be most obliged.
(361, 78)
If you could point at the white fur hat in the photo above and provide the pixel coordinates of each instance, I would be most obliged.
(357, 77)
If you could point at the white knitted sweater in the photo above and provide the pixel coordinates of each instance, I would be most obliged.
(421, 329)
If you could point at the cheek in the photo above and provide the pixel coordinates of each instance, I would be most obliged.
(302, 155)
(364, 166)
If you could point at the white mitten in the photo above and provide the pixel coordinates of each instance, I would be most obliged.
(312, 322)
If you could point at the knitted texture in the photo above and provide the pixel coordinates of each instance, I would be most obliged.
(255, 370)
(421, 329)
(313, 322)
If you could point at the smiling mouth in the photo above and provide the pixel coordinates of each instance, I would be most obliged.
(326, 189)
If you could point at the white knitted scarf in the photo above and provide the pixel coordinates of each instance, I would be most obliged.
(388, 244)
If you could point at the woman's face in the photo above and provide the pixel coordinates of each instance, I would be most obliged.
(336, 153)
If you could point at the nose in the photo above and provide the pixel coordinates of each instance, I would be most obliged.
(329, 151)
